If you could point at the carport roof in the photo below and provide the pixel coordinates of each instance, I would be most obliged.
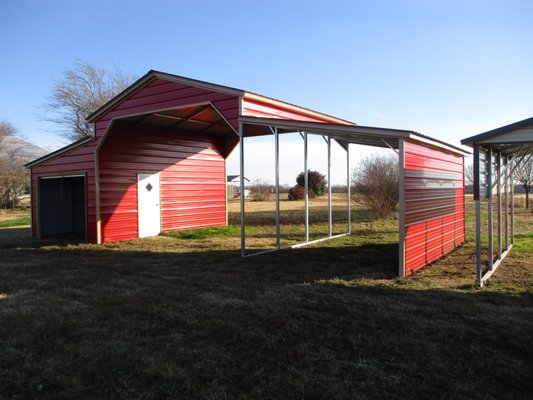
(513, 139)
(355, 134)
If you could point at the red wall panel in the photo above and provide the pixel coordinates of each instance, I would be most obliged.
(159, 94)
(192, 179)
(76, 161)
(256, 108)
(118, 201)
(192, 167)
(434, 204)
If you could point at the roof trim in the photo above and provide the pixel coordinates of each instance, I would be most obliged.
(59, 152)
(321, 127)
(293, 107)
(344, 132)
(153, 74)
(498, 131)
(439, 143)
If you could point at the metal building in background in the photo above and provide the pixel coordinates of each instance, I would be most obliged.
(497, 153)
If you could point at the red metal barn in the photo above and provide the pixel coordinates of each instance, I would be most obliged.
(433, 204)
(163, 141)
(157, 163)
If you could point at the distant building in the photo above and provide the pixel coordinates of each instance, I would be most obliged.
(234, 186)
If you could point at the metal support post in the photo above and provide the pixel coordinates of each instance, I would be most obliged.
(348, 188)
(506, 162)
(489, 206)
(306, 189)
(243, 225)
(512, 208)
(477, 198)
(278, 233)
(499, 194)
(479, 282)
(401, 174)
(330, 214)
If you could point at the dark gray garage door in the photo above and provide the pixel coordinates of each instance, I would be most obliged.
(62, 206)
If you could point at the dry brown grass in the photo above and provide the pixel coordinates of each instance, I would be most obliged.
(167, 318)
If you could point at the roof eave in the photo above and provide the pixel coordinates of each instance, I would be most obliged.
(470, 141)
(58, 152)
(152, 74)
(343, 132)
(293, 107)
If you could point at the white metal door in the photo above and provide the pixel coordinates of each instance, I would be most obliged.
(149, 205)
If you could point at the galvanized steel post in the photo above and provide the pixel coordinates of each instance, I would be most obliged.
(512, 205)
(401, 260)
(477, 198)
(506, 162)
(348, 187)
(306, 190)
(278, 233)
(330, 215)
(499, 194)
(489, 206)
(241, 158)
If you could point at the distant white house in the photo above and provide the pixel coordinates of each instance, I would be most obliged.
(234, 186)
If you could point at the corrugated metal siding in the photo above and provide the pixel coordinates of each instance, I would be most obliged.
(255, 108)
(160, 94)
(193, 185)
(77, 161)
(434, 204)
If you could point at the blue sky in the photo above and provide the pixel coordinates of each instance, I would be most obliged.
(448, 69)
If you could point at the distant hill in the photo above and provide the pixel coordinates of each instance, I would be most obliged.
(23, 150)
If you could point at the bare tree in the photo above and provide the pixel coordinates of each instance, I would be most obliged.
(376, 179)
(13, 174)
(81, 91)
(524, 177)
(469, 174)
(260, 190)
(6, 130)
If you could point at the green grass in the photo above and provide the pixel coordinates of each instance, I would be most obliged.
(187, 318)
(524, 241)
(15, 222)
(205, 233)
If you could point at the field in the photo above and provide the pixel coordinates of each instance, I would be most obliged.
(184, 317)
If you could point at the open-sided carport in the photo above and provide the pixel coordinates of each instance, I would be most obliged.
(157, 162)
(497, 154)
(431, 187)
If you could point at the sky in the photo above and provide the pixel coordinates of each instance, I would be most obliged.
(448, 69)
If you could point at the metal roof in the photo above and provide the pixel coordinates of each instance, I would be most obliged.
(153, 74)
(513, 139)
(355, 134)
(60, 151)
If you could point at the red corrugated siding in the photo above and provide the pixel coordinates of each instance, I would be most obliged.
(434, 204)
(159, 95)
(192, 179)
(74, 162)
(256, 108)
(192, 167)
(201, 174)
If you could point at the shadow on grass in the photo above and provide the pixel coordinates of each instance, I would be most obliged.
(316, 215)
(135, 320)
(149, 319)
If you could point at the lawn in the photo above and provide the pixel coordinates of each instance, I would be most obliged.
(16, 217)
(184, 317)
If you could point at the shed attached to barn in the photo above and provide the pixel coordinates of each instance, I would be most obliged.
(157, 163)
